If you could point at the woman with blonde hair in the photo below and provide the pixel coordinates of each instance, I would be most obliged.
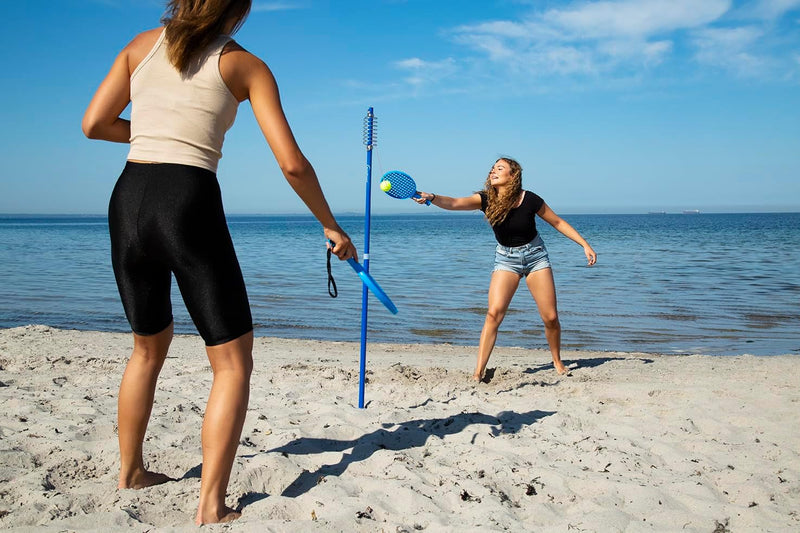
(185, 81)
(520, 252)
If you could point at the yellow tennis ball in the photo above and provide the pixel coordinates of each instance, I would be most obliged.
(386, 185)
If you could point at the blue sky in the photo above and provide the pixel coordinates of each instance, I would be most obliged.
(611, 106)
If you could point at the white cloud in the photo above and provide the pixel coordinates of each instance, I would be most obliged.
(772, 9)
(617, 43)
(590, 37)
(622, 51)
(500, 28)
(422, 73)
(564, 60)
(655, 51)
(634, 18)
(731, 49)
(275, 6)
(735, 39)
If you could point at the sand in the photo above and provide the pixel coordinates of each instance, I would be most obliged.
(627, 442)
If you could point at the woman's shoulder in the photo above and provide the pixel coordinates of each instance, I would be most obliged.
(536, 200)
(234, 48)
(235, 56)
(484, 199)
(140, 46)
(145, 40)
(240, 69)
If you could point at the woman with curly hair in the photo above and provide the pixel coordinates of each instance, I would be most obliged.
(520, 252)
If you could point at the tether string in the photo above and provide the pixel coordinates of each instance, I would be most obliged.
(332, 290)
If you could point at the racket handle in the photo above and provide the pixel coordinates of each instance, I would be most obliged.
(417, 195)
(353, 263)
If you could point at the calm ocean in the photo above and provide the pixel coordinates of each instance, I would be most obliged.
(720, 284)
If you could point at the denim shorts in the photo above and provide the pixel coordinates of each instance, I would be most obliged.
(522, 260)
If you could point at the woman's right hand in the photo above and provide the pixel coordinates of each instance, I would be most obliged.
(343, 247)
(591, 255)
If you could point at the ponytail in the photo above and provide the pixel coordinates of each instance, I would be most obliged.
(192, 25)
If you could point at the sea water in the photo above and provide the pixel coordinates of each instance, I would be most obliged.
(720, 284)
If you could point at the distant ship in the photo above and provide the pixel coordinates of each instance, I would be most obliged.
(656, 212)
(691, 212)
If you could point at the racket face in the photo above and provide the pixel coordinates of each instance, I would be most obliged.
(370, 282)
(403, 185)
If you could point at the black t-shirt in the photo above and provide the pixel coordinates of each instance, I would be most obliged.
(519, 226)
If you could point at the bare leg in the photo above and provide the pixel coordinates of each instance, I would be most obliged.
(232, 364)
(543, 290)
(501, 290)
(135, 403)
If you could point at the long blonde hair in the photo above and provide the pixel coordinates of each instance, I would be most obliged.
(497, 206)
(192, 25)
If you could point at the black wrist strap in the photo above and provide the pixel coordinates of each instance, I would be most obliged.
(332, 290)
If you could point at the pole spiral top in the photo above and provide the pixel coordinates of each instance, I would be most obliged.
(370, 132)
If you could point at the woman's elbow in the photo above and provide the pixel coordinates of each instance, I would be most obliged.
(295, 168)
(91, 128)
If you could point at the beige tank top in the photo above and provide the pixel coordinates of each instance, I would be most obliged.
(177, 118)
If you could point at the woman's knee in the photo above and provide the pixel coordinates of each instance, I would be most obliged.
(551, 321)
(152, 348)
(235, 355)
(495, 317)
(237, 363)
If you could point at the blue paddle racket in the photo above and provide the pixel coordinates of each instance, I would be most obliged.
(366, 278)
(370, 282)
(400, 185)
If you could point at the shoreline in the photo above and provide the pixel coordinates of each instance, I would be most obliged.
(629, 441)
(471, 348)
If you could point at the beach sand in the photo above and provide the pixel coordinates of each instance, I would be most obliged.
(627, 442)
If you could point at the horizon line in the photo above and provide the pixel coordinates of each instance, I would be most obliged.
(788, 210)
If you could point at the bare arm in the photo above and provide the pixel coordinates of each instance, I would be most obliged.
(249, 78)
(465, 203)
(549, 216)
(102, 118)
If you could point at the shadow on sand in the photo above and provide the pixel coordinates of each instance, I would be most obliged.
(403, 436)
(584, 363)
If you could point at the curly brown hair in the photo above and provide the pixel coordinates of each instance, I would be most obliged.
(192, 25)
(497, 206)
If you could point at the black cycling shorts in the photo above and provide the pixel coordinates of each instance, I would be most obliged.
(167, 218)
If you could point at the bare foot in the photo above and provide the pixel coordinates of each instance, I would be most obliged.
(142, 479)
(477, 377)
(560, 368)
(227, 515)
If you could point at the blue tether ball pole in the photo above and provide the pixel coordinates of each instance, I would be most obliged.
(370, 140)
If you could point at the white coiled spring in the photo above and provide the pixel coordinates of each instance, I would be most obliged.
(370, 133)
